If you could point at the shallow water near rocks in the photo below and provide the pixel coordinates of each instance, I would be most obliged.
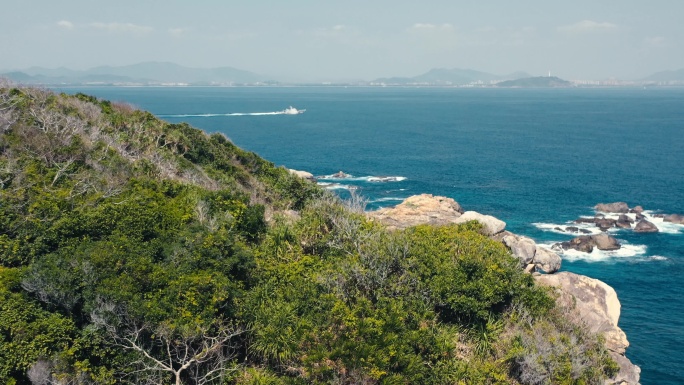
(536, 159)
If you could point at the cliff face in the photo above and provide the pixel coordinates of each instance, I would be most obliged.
(595, 302)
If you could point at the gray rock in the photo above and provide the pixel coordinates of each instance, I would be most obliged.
(604, 241)
(644, 226)
(598, 306)
(628, 374)
(616, 207)
(605, 223)
(546, 260)
(303, 174)
(583, 243)
(586, 243)
(491, 224)
(637, 210)
(522, 248)
(674, 218)
(624, 222)
(572, 229)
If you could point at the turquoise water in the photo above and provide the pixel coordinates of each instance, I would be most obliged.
(533, 158)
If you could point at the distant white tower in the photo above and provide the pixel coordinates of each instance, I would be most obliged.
(549, 73)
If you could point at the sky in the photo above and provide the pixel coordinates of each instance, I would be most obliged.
(326, 40)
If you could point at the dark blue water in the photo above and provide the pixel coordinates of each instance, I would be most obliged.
(533, 158)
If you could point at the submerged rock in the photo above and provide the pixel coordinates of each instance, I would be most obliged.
(644, 226)
(616, 207)
(598, 306)
(674, 218)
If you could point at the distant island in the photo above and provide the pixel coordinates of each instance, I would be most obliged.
(536, 82)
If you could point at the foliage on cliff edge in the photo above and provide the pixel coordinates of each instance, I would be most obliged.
(135, 251)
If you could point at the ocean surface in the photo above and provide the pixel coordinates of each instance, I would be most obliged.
(536, 159)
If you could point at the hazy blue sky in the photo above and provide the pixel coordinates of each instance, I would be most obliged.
(335, 40)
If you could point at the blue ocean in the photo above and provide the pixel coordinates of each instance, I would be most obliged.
(536, 159)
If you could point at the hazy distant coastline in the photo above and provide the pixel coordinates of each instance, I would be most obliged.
(164, 74)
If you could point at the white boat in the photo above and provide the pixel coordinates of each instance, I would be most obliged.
(292, 111)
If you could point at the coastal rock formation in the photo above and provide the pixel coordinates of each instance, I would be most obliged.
(674, 218)
(546, 260)
(616, 207)
(644, 226)
(491, 224)
(521, 247)
(532, 256)
(598, 306)
(303, 174)
(624, 222)
(419, 209)
(586, 243)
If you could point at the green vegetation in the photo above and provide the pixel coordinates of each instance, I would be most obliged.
(134, 251)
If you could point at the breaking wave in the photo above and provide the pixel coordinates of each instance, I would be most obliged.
(370, 178)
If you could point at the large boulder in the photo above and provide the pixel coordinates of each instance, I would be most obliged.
(521, 247)
(490, 224)
(624, 222)
(546, 260)
(605, 223)
(644, 226)
(674, 218)
(419, 209)
(598, 306)
(616, 207)
(604, 241)
(303, 174)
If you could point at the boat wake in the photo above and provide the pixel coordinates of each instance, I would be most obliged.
(288, 111)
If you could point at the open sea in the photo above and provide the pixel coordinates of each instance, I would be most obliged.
(535, 158)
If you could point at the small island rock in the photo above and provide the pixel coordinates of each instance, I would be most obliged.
(616, 207)
(644, 226)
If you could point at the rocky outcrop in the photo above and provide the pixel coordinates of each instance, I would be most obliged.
(586, 243)
(644, 226)
(419, 209)
(546, 260)
(624, 222)
(490, 224)
(303, 174)
(616, 207)
(521, 247)
(531, 256)
(598, 306)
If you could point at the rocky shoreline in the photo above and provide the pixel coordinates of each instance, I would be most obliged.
(597, 303)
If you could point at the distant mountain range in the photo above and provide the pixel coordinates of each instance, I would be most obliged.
(666, 76)
(148, 73)
(454, 76)
(164, 73)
